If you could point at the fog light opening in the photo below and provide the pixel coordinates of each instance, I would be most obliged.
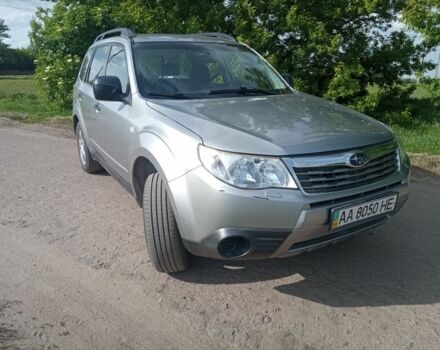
(234, 247)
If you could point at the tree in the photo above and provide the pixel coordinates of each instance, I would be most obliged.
(343, 50)
(424, 17)
(16, 60)
(336, 49)
(3, 33)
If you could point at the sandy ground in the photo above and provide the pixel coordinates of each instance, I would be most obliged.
(75, 274)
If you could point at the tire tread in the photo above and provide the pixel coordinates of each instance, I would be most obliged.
(164, 244)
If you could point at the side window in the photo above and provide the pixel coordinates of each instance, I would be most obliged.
(98, 63)
(85, 65)
(117, 66)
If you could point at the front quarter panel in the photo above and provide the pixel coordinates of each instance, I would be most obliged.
(171, 147)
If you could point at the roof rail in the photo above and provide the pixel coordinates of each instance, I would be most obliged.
(124, 32)
(218, 35)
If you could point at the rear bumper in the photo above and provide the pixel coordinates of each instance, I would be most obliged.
(276, 223)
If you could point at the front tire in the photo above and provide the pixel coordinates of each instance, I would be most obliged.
(88, 164)
(164, 243)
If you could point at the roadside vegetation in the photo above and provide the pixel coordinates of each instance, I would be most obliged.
(419, 125)
(20, 100)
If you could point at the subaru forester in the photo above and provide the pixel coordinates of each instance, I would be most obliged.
(225, 158)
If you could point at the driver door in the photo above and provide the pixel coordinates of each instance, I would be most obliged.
(114, 118)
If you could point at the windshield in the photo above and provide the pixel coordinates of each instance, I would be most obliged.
(202, 70)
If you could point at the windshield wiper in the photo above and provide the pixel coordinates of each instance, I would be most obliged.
(241, 90)
(165, 94)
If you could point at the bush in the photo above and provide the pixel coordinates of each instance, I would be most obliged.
(55, 78)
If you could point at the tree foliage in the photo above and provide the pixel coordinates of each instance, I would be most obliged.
(344, 50)
(13, 60)
(16, 60)
(3, 33)
(424, 17)
(336, 49)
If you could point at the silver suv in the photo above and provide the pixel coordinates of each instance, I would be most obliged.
(226, 160)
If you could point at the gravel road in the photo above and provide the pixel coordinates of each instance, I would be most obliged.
(75, 273)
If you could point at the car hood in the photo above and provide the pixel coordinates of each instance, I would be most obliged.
(274, 125)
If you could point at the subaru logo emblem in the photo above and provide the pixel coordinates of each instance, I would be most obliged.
(358, 159)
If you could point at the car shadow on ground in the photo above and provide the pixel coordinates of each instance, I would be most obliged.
(102, 172)
(395, 264)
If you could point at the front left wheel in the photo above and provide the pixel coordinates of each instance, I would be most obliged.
(164, 243)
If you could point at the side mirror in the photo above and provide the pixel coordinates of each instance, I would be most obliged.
(288, 78)
(108, 89)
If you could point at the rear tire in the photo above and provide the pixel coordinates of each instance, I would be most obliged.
(164, 243)
(88, 164)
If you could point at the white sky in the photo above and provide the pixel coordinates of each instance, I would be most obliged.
(18, 13)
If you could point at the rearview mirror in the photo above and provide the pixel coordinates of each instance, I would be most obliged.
(108, 89)
(288, 78)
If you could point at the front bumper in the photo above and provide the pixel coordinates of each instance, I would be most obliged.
(276, 222)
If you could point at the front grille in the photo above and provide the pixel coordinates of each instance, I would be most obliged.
(329, 178)
(357, 196)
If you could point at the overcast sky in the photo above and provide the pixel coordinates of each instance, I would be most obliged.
(18, 13)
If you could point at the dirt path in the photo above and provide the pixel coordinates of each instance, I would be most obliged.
(75, 274)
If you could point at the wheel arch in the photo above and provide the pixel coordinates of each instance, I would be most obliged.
(75, 121)
(153, 155)
(142, 168)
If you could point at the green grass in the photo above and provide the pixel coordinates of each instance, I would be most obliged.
(422, 133)
(420, 138)
(17, 84)
(19, 100)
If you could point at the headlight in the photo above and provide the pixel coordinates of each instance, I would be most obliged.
(401, 150)
(246, 171)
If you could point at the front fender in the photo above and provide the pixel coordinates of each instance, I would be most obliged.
(171, 159)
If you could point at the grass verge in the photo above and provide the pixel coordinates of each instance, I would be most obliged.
(19, 101)
(422, 138)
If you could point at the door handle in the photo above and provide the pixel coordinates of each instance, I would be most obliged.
(80, 97)
(97, 107)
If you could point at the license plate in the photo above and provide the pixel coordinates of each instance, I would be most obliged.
(361, 211)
